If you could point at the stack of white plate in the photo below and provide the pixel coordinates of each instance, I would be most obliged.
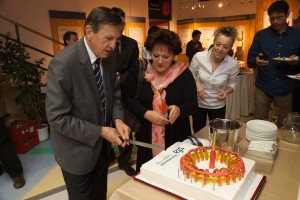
(260, 130)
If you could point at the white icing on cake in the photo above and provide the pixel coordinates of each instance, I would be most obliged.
(163, 171)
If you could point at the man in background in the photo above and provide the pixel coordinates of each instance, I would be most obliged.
(296, 93)
(270, 44)
(8, 156)
(145, 52)
(70, 37)
(126, 56)
(194, 45)
(82, 101)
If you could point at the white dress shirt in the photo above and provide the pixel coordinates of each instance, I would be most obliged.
(224, 76)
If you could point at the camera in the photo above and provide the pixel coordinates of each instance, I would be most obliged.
(262, 56)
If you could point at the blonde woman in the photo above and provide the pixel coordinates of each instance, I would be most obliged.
(215, 74)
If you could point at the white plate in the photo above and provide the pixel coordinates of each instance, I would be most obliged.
(250, 135)
(294, 77)
(261, 126)
(285, 59)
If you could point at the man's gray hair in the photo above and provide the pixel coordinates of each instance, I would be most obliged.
(102, 16)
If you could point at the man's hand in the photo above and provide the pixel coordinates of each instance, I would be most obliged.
(293, 60)
(111, 135)
(260, 62)
(123, 130)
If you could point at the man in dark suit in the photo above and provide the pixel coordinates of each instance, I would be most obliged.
(127, 55)
(8, 156)
(82, 101)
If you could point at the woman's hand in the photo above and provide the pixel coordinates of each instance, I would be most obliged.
(156, 118)
(200, 91)
(174, 113)
(222, 96)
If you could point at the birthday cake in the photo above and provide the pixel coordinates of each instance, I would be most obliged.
(183, 169)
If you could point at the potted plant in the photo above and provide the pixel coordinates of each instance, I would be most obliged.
(26, 75)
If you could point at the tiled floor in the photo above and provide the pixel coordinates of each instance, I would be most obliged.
(44, 179)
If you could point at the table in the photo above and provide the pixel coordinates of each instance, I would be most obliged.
(283, 177)
(241, 101)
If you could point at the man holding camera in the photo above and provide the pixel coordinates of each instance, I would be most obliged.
(275, 52)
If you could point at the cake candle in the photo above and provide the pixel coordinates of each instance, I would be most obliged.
(212, 152)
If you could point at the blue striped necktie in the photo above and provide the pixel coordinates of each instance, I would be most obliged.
(99, 80)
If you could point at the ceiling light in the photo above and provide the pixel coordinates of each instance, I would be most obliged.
(220, 5)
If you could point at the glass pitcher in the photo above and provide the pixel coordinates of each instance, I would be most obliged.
(291, 128)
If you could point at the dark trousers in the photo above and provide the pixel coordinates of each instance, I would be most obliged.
(91, 186)
(296, 98)
(200, 116)
(11, 162)
(125, 153)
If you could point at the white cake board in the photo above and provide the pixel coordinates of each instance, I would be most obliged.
(252, 192)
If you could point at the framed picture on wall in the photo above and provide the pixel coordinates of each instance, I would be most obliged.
(138, 35)
(63, 21)
(63, 29)
(185, 36)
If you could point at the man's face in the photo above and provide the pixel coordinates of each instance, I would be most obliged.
(73, 39)
(197, 37)
(278, 21)
(104, 41)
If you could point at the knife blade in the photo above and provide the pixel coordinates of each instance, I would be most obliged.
(144, 144)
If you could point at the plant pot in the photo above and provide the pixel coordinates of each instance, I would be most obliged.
(43, 132)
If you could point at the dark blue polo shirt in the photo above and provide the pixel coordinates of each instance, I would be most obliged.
(272, 79)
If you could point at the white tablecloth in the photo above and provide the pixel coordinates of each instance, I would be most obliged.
(241, 101)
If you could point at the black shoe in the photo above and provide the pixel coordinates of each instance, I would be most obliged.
(128, 169)
(18, 182)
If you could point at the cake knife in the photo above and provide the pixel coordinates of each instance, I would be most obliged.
(143, 144)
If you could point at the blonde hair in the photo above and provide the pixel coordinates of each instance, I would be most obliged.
(228, 31)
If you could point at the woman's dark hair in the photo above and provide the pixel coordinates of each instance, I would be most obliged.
(279, 6)
(164, 37)
(102, 16)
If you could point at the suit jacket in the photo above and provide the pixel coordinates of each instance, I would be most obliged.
(128, 58)
(74, 108)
